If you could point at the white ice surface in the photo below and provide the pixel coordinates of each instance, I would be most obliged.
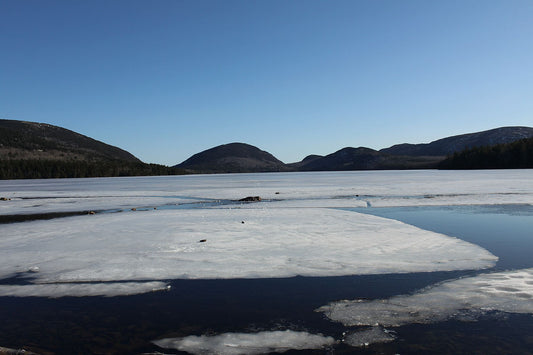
(247, 343)
(55, 290)
(510, 291)
(283, 242)
(378, 188)
(290, 233)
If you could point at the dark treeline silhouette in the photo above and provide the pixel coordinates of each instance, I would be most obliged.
(44, 169)
(515, 155)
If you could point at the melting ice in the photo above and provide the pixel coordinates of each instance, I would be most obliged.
(224, 243)
(293, 233)
(510, 291)
(247, 343)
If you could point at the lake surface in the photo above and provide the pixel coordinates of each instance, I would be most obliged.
(210, 307)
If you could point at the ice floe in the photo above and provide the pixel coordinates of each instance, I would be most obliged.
(510, 291)
(368, 336)
(54, 290)
(247, 343)
(226, 243)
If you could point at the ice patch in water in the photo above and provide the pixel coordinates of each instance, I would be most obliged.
(510, 291)
(368, 336)
(215, 243)
(247, 343)
(79, 290)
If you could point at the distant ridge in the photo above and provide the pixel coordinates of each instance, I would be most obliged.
(308, 159)
(233, 158)
(366, 159)
(450, 145)
(40, 150)
(240, 157)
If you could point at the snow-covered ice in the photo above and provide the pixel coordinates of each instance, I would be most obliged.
(247, 343)
(239, 243)
(296, 230)
(510, 291)
(348, 189)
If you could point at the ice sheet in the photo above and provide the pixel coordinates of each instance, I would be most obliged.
(247, 343)
(510, 291)
(378, 188)
(226, 243)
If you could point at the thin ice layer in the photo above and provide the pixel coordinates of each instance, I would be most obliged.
(227, 243)
(247, 343)
(510, 291)
(368, 336)
(55, 290)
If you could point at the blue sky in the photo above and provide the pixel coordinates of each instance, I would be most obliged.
(166, 79)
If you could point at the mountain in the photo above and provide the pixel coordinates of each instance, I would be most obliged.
(450, 145)
(242, 158)
(366, 159)
(39, 150)
(233, 158)
(31, 140)
(308, 159)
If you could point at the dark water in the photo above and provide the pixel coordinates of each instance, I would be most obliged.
(124, 325)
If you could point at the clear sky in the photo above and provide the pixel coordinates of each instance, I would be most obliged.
(167, 79)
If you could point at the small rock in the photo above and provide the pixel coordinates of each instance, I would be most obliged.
(277, 193)
(5, 199)
(202, 241)
(250, 199)
(134, 209)
(92, 212)
(242, 222)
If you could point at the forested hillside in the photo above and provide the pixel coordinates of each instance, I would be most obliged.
(515, 155)
(30, 150)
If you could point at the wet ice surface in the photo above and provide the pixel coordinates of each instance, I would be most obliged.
(247, 343)
(510, 291)
(368, 336)
(55, 290)
(224, 243)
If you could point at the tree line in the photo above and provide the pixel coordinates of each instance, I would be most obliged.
(515, 155)
(45, 169)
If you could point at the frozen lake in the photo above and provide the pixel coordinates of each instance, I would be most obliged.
(342, 262)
